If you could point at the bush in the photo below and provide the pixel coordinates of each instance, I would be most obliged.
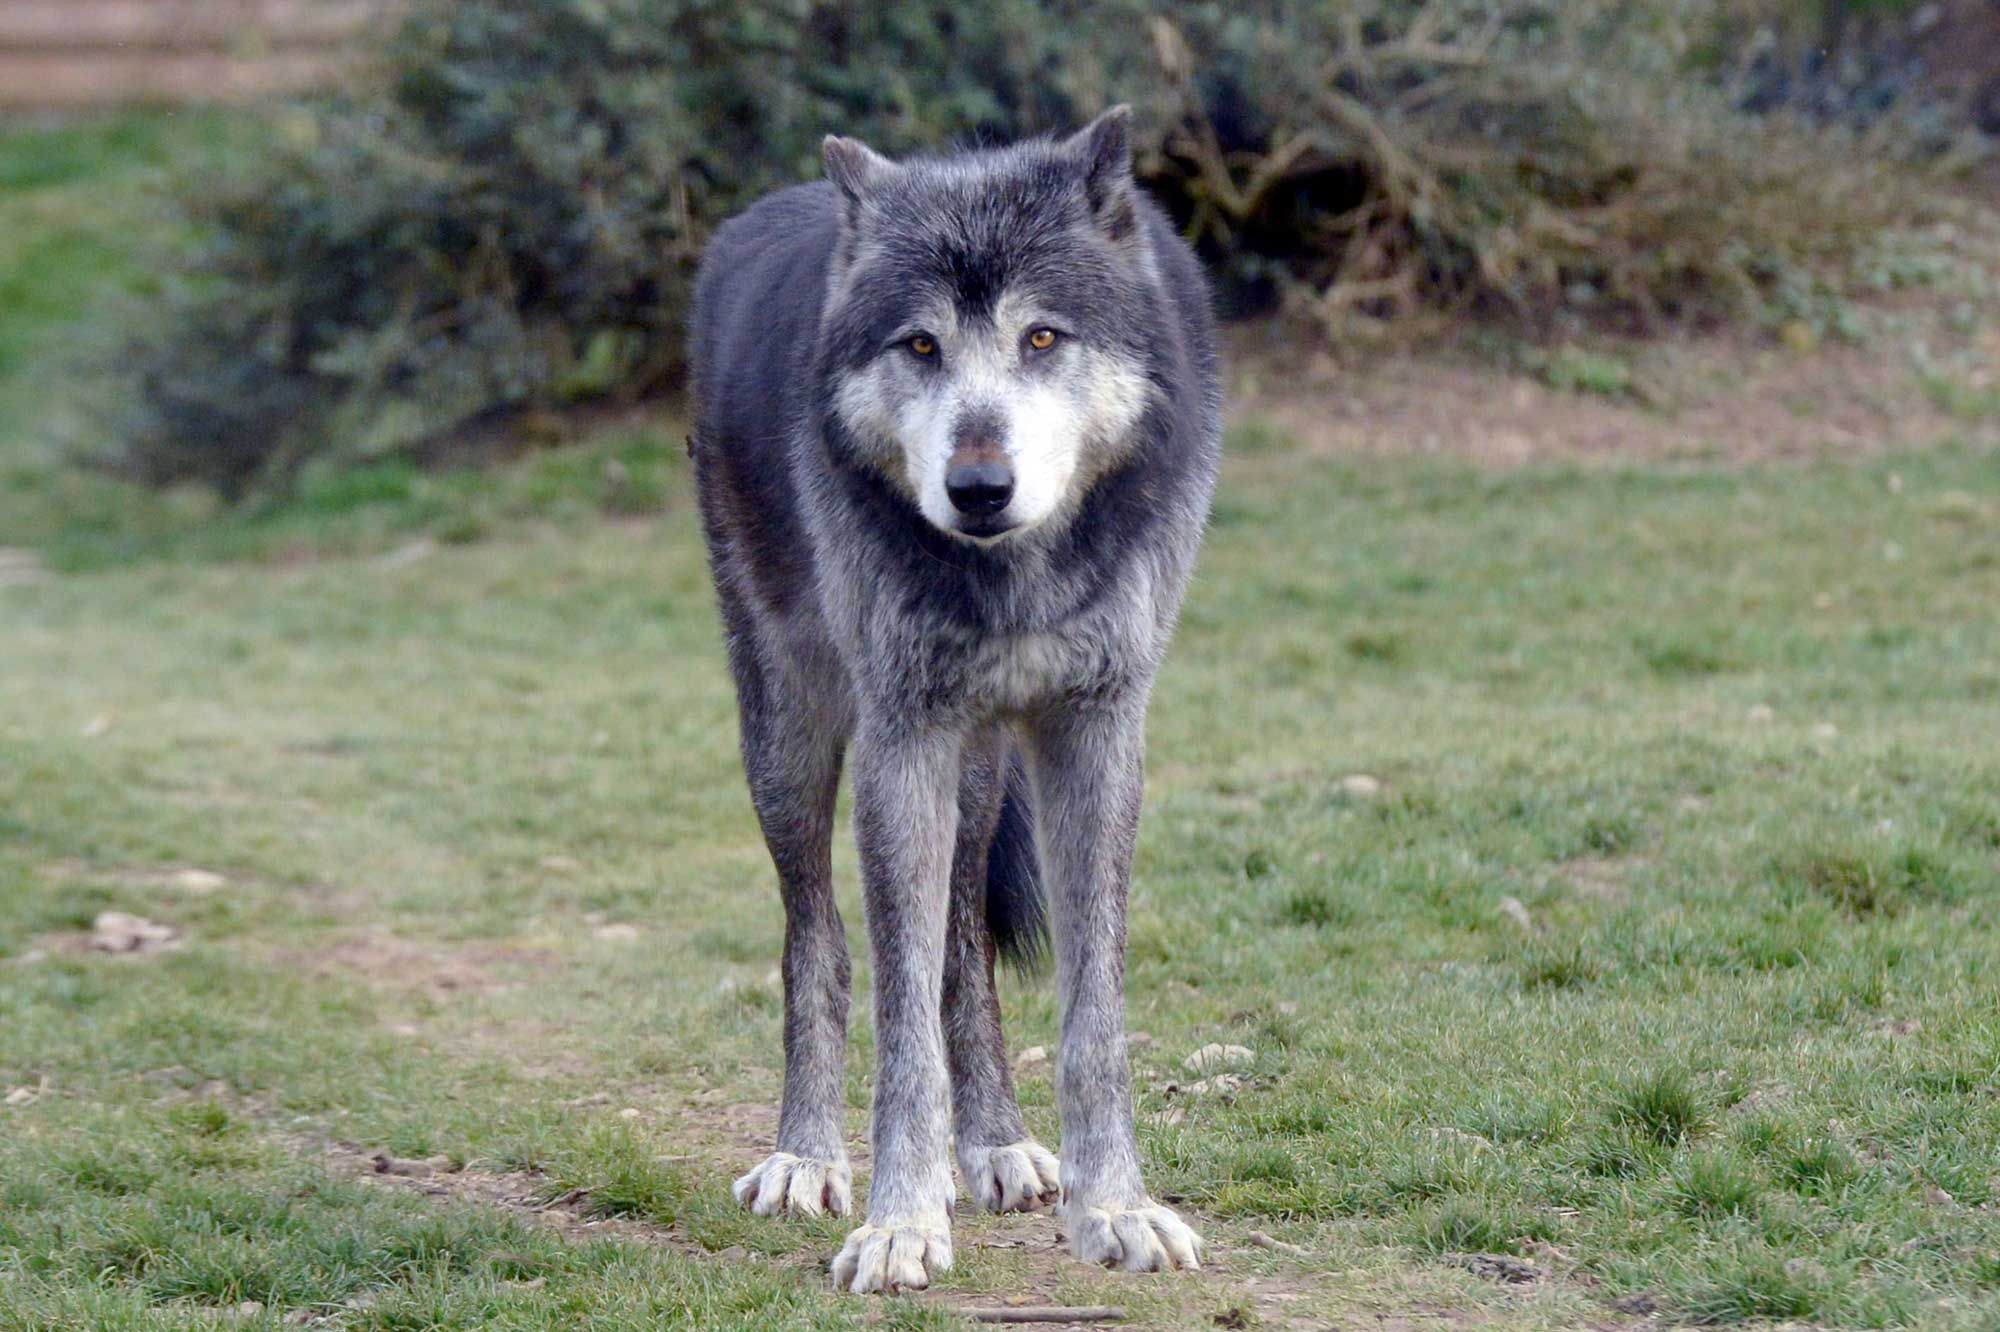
(512, 218)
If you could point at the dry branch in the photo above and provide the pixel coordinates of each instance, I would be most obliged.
(1048, 1313)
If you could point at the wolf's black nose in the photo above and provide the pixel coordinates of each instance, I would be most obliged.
(980, 489)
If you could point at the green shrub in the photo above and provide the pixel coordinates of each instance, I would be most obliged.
(511, 218)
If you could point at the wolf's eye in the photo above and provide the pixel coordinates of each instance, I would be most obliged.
(1042, 339)
(920, 345)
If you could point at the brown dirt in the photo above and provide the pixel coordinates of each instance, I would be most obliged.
(1602, 878)
(389, 960)
(734, 1137)
(1731, 398)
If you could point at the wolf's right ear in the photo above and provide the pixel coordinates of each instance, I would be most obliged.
(855, 169)
(1105, 148)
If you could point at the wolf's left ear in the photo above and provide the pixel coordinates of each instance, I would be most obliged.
(1104, 146)
(855, 169)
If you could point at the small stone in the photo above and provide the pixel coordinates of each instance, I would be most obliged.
(407, 554)
(1135, 1039)
(410, 1167)
(1760, 714)
(1895, 483)
(198, 881)
(249, 1308)
(119, 932)
(96, 726)
(1512, 909)
(1215, 1056)
(1030, 1057)
(1168, 1117)
(561, 864)
(629, 1112)
(1825, 731)
(617, 932)
(1224, 1085)
(1361, 786)
(23, 1096)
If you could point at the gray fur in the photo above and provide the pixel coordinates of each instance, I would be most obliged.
(850, 340)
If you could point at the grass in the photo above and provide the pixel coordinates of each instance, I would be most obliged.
(1756, 1035)
(462, 754)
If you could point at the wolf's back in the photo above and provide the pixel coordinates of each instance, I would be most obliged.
(756, 315)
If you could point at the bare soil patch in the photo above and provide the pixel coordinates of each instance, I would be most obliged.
(1725, 397)
(390, 961)
(731, 1138)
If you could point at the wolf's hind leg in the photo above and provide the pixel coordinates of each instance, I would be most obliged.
(1004, 1169)
(793, 762)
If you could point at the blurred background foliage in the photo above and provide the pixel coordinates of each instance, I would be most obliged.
(505, 218)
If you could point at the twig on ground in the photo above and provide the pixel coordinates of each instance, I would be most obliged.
(1048, 1313)
(1263, 1241)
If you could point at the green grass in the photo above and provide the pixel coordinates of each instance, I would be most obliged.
(463, 753)
(87, 225)
(1739, 1067)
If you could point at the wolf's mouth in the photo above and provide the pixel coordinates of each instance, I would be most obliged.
(987, 529)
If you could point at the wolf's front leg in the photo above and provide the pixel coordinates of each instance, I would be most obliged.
(905, 819)
(1089, 762)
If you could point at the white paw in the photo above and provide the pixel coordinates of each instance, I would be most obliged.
(893, 1257)
(798, 1185)
(1020, 1177)
(1147, 1238)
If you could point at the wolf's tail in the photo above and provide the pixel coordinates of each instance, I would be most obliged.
(1016, 908)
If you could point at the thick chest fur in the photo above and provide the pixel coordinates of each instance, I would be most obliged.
(952, 670)
(1017, 673)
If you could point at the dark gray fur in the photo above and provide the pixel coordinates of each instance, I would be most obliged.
(859, 630)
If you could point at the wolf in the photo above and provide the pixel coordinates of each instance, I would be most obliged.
(955, 434)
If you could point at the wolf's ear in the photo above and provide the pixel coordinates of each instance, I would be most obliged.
(855, 169)
(1104, 146)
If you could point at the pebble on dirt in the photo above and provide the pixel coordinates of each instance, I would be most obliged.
(1214, 1056)
(120, 932)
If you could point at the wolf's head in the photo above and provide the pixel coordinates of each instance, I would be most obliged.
(986, 324)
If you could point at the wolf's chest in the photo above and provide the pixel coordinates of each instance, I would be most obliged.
(1017, 672)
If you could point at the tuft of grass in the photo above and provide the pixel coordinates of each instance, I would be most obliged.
(1713, 1184)
(1375, 646)
(1744, 1286)
(618, 1174)
(1577, 370)
(1474, 1225)
(1817, 1168)
(1556, 965)
(1316, 909)
(1663, 1106)
(1686, 655)
(1868, 880)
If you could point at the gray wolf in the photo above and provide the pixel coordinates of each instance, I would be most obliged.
(956, 431)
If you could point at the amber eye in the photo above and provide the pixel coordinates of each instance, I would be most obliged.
(922, 346)
(1042, 339)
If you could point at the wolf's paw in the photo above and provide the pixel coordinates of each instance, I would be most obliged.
(798, 1185)
(1019, 1177)
(1147, 1238)
(899, 1256)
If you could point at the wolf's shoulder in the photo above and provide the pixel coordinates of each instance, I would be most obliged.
(757, 298)
(785, 226)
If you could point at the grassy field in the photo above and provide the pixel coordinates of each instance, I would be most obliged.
(1602, 865)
